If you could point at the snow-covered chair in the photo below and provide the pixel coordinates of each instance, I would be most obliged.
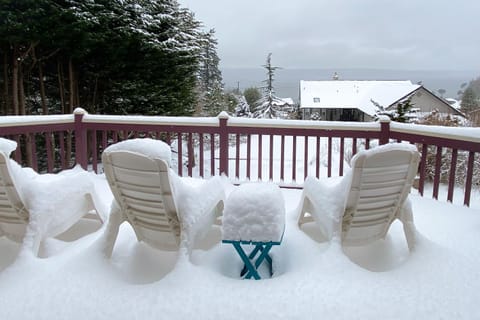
(163, 210)
(34, 207)
(360, 207)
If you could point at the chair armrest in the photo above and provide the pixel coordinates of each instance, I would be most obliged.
(324, 200)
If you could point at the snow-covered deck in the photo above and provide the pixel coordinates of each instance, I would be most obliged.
(313, 279)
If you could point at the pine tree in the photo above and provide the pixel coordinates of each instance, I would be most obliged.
(113, 56)
(211, 93)
(268, 106)
(242, 108)
(402, 110)
(252, 95)
(469, 100)
(399, 114)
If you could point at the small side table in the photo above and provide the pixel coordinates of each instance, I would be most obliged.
(254, 222)
(252, 261)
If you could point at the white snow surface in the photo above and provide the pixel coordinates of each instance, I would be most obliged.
(386, 148)
(54, 201)
(7, 146)
(312, 278)
(254, 212)
(150, 147)
(194, 199)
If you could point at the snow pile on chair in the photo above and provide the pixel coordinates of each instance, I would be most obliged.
(152, 148)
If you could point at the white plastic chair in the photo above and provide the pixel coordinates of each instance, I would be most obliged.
(145, 197)
(360, 207)
(16, 208)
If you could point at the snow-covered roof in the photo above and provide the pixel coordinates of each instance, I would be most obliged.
(282, 101)
(454, 103)
(339, 94)
(287, 100)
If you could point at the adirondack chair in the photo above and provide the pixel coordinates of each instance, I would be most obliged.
(360, 208)
(16, 210)
(145, 197)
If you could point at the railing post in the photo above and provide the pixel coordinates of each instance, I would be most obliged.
(223, 119)
(80, 138)
(384, 129)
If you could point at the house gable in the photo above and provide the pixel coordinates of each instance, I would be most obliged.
(425, 102)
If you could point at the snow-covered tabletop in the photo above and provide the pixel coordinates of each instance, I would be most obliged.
(254, 212)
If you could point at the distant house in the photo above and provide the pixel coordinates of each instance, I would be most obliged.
(343, 100)
(286, 103)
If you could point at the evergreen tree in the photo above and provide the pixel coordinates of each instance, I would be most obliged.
(212, 99)
(469, 100)
(242, 108)
(399, 114)
(252, 95)
(269, 105)
(402, 110)
(114, 56)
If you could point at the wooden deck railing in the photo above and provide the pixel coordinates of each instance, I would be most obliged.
(283, 151)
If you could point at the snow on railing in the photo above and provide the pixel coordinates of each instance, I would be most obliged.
(282, 151)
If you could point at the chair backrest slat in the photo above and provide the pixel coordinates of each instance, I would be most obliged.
(12, 209)
(381, 181)
(141, 187)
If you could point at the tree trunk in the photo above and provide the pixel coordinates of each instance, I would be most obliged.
(72, 93)
(5, 84)
(43, 97)
(94, 98)
(21, 92)
(61, 86)
(15, 66)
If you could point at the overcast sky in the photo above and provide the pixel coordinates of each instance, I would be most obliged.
(390, 34)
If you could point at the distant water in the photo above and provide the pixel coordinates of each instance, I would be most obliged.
(287, 81)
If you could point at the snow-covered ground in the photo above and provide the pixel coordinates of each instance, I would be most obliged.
(312, 278)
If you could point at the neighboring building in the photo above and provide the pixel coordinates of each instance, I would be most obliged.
(342, 100)
(285, 104)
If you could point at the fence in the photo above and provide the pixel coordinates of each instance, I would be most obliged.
(283, 151)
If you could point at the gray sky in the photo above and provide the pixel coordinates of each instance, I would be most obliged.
(390, 34)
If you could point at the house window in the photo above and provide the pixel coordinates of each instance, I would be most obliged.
(316, 100)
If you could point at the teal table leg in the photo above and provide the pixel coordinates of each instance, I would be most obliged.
(251, 261)
(264, 248)
(251, 269)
